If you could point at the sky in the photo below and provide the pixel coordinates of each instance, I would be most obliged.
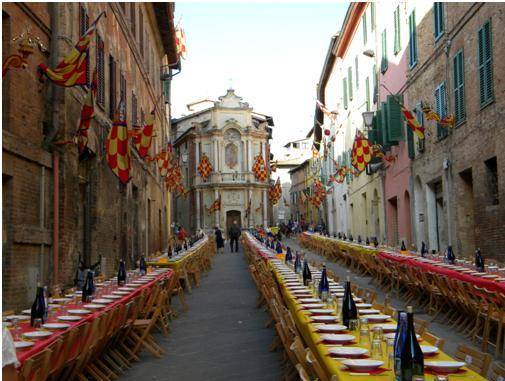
(272, 54)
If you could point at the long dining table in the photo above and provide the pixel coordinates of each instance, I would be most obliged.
(75, 304)
(309, 329)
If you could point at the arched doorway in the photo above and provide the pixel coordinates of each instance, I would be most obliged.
(407, 219)
(231, 216)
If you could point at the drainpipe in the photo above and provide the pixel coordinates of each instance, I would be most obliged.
(56, 214)
(42, 217)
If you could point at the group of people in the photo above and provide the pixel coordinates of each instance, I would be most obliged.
(233, 234)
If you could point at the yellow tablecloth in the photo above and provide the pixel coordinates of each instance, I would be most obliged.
(333, 366)
(179, 263)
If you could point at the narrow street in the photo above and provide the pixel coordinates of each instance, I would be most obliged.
(221, 337)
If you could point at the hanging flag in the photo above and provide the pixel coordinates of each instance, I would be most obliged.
(412, 122)
(164, 160)
(275, 192)
(361, 153)
(430, 114)
(205, 167)
(180, 40)
(144, 138)
(87, 114)
(173, 178)
(71, 71)
(328, 113)
(259, 168)
(259, 207)
(216, 205)
(390, 158)
(447, 121)
(117, 147)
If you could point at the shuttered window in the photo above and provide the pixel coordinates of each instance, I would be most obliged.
(375, 85)
(141, 32)
(485, 57)
(365, 32)
(100, 72)
(441, 108)
(459, 87)
(356, 69)
(344, 92)
(384, 60)
(438, 14)
(384, 126)
(83, 27)
(412, 40)
(367, 93)
(349, 75)
(397, 46)
(133, 20)
(112, 87)
(395, 119)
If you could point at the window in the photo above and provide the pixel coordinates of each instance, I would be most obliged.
(112, 87)
(372, 16)
(100, 72)
(83, 27)
(367, 93)
(344, 92)
(492, 181)
(412, 40)
(459, 87)
(375, 85)
(441, 108)
(134, 109)
(397, 30)
(438, 12)
(141, 31)
(485, 64)
(349, 75)
(365, 34)
(356, 69)
(384, 61)
(133, 19)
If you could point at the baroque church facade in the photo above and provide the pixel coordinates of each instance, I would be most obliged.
(229, 135)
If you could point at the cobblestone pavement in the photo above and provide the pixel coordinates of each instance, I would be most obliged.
(451, 336)
(221, 337)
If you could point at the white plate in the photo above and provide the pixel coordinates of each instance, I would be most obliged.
(363, 305)
(55, 326)
(79, 312)
(347, 351)
(445, 366)
(112, 296)
(369, 312)
(23, 344)
(28, 311)
(37, 334)
(126, 289)
(296, 288)
(391, 335)
(330, 327)
(387, 327)
(429, 349)
(61, 300)
(120, 292)
(78, 293)
(323, 318)
(309, 300)
(305, 291)
(320, 311)
(18, 317)
(102, 301)
(363, 365)
(92, 306)
(337, 338)
(133, 285)
(490, 276)
(312, 305)
(69, 318)
(378, 317)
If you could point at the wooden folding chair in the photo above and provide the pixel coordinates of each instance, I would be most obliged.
(311, 359)
(420, 325)
(302, 373)
(475, 360)
(497, 372)
(433, 340)
(37, 367)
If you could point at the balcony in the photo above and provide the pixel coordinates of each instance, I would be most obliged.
(228, 178)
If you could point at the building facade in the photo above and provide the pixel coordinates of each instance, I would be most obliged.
(231, 135)
(58, 207)
(458, 174)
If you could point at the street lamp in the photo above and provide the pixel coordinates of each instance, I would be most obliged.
(368, 119)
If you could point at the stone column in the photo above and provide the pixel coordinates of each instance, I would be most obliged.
(265, 209)
(197, 155)
(217, 212)
(249, 194)
(216, 161)
(198, 222)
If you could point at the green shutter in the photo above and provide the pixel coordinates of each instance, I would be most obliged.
(395, 119)
(441, 108)
(344, 92)
(375, 85)
(412, 39)
(485, 64)
(384, 126)
(438, 13)
(459, 87)
(378, 126)
(367, 93)
(372, 133)
(384, 60)
(357, 72)
(365, 32)
(349, 75)
(397, 45)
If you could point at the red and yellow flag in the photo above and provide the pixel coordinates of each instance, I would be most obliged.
(87, 114)
(144, 138)
(205, 167)
(361, 153)
(275, 192)
(412, 122)
(259, 168)
(71, 71)
(118, 150)
(216, 205)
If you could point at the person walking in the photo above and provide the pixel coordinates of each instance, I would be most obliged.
(234, 235)
(219, 240)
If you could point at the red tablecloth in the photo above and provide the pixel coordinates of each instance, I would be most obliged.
(489, 284)
(41, 344)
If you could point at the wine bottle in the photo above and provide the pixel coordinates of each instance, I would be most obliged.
(334, 235)
(170, 253)
(424, 249)
(121, 274)
(367, 241)
(307, 275)
(289, 256)
(349, 310)
(359, 239)
(38, 311)
(399, 340)
(324, 286)
(88, 289)
(344, 237)
(143, 266)
(401, 325)
(450, 255)
(339, 235)
(410, 361)
(479, 261)
(298, 263)
(403, 248)
(350, 238)
(375, 242)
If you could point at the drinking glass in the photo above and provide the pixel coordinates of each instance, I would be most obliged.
(364, 333)
(390, 348)
(15, 327)
(376, 352)
(377, 334)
